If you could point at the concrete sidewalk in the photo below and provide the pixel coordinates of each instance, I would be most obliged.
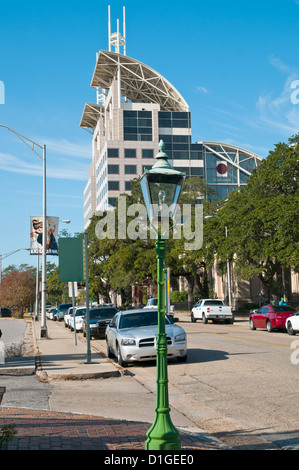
(59, 357)
(58, 360)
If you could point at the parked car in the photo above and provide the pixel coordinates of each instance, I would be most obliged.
(106, 315)
(131, 336)
(96, 314)
(49, 312)
(78, 314)
(5, 312)
(61, 311)
(292, 323)
(211, 309)
(66, 317)
(52, 313)
(271, 317)
(153, 304)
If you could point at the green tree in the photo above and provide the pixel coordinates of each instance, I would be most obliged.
(17, 290)
(57, 291)
(262, 220)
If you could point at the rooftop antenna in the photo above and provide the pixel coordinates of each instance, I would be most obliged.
(116, 39)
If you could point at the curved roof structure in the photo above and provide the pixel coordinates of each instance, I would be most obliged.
(238, 157)
(139, 82)
(91, 115)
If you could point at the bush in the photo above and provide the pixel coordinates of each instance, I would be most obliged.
(7, 433)
(179, 296)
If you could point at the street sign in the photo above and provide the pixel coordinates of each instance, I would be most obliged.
(71, 262)
(70, 285)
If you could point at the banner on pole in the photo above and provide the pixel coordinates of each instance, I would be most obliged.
(36, 235)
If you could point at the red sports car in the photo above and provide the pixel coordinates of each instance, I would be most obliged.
(271, 317)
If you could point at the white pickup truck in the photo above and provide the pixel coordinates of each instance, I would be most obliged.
(212, 309)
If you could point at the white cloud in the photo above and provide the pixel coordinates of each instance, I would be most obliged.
(66, 169)
(67, 147)
(202, 89)
(278, 111)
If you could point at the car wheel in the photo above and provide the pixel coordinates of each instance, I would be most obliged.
(84, 333)
(204, 319)
(182, 358)
(269, 326)
(252, 327)
(290, 329)
(120, 360)
(192, 318)
(109, 353)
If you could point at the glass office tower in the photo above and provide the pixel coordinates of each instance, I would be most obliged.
(137, 107)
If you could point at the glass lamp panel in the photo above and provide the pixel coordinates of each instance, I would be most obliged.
(146, 194)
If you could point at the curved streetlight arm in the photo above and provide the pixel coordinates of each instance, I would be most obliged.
(25, 140)
(12, 252)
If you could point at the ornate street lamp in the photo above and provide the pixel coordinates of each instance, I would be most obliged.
(161, 187)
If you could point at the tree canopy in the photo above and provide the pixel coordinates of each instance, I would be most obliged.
(262, 219)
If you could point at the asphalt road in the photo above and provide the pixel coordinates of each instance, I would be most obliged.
(22, 391)
(12, 330)
(239, 385)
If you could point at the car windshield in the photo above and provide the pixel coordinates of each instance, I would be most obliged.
(102, 312)
(213, 302)
(138, 319)
(80, 312)
(284, 308)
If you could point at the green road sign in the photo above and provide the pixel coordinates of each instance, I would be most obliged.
(71, 260)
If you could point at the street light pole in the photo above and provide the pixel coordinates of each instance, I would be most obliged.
(161, 185)
(43, 330)
(31, 144)
(162, 435)
(227, 262)
(228, 275)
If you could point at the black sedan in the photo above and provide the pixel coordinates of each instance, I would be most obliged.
(99, 318)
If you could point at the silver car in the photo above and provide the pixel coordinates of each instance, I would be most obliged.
(131, 336)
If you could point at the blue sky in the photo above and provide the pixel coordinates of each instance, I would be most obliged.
(233, 62)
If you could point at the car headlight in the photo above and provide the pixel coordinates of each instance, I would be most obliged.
(180, 337)
(128, 342)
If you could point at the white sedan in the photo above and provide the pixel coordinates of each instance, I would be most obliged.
(77, 318)
(131, 336)
(292, 323)
(67, 317)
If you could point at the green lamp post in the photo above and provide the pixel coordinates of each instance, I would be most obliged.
(161, 187)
